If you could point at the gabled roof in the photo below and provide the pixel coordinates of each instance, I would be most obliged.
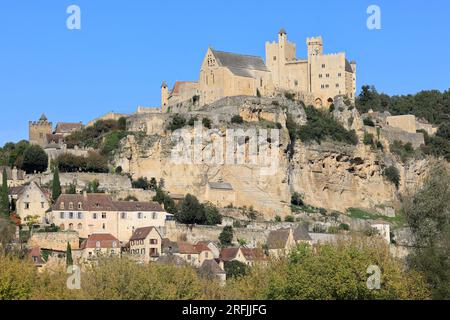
(142, 233)
(277, 238)
(179, 84)
(137, 206)
(239, 64)
(105, 240)
(67, 127)
(301, 233)
(211, 266)
(253, 254)
(200, 247)
(228, 254)
(186, 248)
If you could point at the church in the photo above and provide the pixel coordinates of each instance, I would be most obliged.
(320, 77)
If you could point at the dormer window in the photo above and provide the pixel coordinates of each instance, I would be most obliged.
(114, 244)
(70, 205)
(61, 206)
(80, 206)
(97, 244)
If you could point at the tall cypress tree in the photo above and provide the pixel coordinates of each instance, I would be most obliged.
(69, 259)
(56, 187)
(4, 205)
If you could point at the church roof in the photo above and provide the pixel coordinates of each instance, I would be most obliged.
(240, 64)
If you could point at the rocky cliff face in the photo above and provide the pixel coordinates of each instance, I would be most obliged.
(329, 175)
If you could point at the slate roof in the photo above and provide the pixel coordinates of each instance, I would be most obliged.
(348, 66)
(102, 202)
(301, 233)
(67, 127)
(228, 254)
(277, 238)
(211, 266)
(238, 64)
(220, 185)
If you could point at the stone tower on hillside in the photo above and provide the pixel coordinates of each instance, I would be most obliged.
(37, 130)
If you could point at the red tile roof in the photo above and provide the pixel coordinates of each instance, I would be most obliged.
(67, 127)
(228, 254)
(200, 247)
(142, 233)
(105, 240)
(186, 248)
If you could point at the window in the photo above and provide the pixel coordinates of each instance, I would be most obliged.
(327, 75)
(139, 215)
(98, 244)
(70, 215)
(153, 241)
(142, 251)
(322, 86)
(189, 257)
(80, 226)
(337, 85)
(123, 215)
(61, 215)
(94, 216)
(27, 205)
(154, 215)
(339, 74)
(103, 226)
(80, 206)
(320, 76)
(327, 86)
(70, 205)
(260, 82)
(42, 205)
(61, 206)
(70, 226)
(131, 243)
(323, 66)
(296, 83)
(80, 215)
(274, 58)
(103, 215)
(141, 242)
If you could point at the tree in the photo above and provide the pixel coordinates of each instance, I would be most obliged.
(393, 175)
(72, 189)
(212, 215)
(226, 236)
(237, 119)
(4, 204)
(153, 185)
(34, 159)
(93, 186)
(69, 259)
(296, 199)
(163, 198)
(235, 269)
(141, 183)
(428, 215)
(178, 122)
(190, 211)
(56, 185)
(206, 123)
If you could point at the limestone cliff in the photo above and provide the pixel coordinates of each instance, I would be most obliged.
(329, 175)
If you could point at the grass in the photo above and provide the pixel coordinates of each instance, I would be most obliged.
(357, 213)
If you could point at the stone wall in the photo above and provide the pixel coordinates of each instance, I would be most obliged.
(54, 240)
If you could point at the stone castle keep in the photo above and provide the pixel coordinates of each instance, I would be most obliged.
(320, 77)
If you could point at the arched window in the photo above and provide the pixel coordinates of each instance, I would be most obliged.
(139, 215)
(61, 226)
(70, 226)
(97, 245)
(80, 226)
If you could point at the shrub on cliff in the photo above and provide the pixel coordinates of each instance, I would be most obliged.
(34, 159)
(393, 175)
(237, 119)
(177, 122)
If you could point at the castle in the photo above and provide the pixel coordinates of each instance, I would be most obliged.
(321, 77)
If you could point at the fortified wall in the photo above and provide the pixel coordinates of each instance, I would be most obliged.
(56, 241)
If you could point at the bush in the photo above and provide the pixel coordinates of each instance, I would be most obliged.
(296, 199)
(206, 123)
(235, 269)
(34, 159)
(237, 119)
(368, 139)
(141, 183)
(289, 219)
(393, 175)
(344, 226)
(94, 162)
(192, 211)
(226, 236)
(178, 122)
(289, 96)
(322, 125)
(368, 122)
(277, 218)
(404, 151)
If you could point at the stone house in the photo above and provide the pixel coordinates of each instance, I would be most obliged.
(192, 254)
(66, 128)
(210, 268)
(89, 213)
(30, 200)
(14, 176)
(145, 244)
(99, 244)
(280, 242)
(248, 256)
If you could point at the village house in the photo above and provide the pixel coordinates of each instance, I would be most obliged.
(145, 244)
(192, 254)
(14, 176)
(35, 256)
(247, 256)
(211, 269)
(280, 242)
(99, 244)
(66, 128)
(89, 213)
(30, 202)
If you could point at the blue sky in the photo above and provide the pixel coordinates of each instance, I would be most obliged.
(126, 48)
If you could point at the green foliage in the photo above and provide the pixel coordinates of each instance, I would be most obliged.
(403, 151)
(177, 122)
(130, 198)
(192, 120)
(94, 162)
(122, 124)
(141, 183)
(111, 142)
(432, 105)
(226, 236)
(368, 139)
(34, 159)
(393, 175)
(289, 96)
(163, 198)
(4, 199)
(344, 226)
(69, 258)
(368, 122)
(206, 123)
(56, 185)
(192, 211)
(237, 119)
(93, 187)
(235, 269)
(12, 154)
(93, 136)
(277, 218)
(321, 125)
(289, 219)
(437, 146)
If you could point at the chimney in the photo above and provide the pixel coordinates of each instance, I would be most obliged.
(84, 194)
(221, 265)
